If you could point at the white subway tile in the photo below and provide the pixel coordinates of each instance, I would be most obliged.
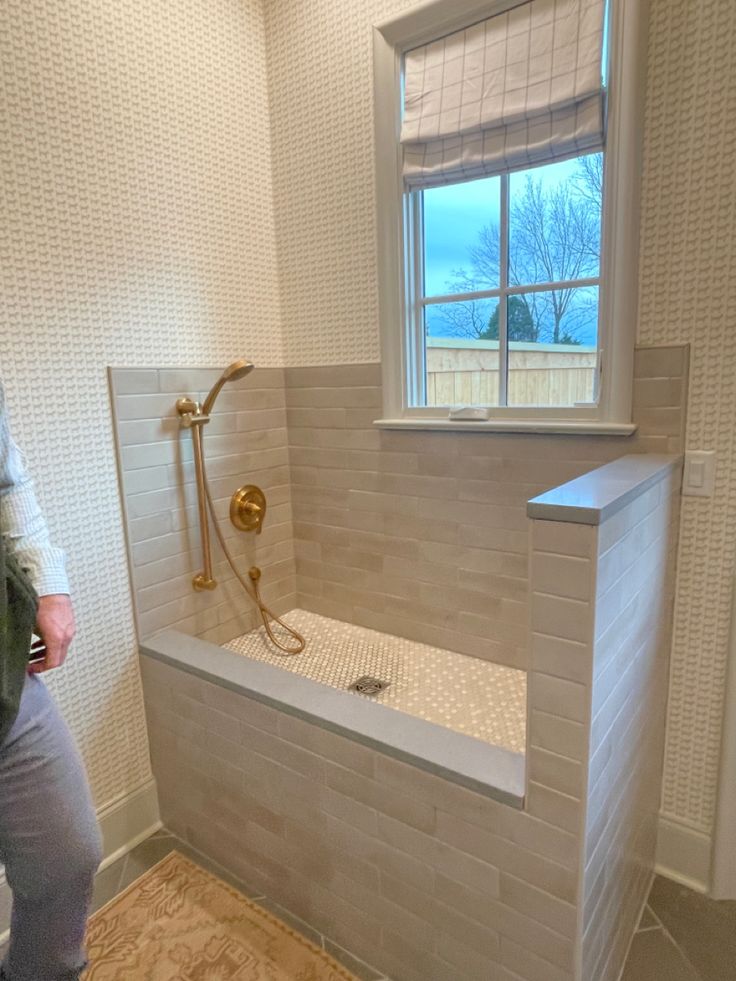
(563, 538)
(558, 735)
(563, 618)
(555, 808)
(562, 575)
(556, 696)
(562, 658)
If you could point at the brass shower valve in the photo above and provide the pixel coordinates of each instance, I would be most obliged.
(248, 508)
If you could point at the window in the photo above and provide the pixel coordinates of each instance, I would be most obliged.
(507, 267)
(507, 292)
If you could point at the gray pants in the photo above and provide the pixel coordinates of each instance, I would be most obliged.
(49, 842)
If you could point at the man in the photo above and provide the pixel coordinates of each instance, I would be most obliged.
(49, 840)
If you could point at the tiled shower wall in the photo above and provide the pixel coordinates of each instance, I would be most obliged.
(634, 592)
(245, 442)
(601, 607)
(424, 535)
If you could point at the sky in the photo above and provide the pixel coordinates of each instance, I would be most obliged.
(453, 216)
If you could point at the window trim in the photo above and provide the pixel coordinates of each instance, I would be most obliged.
(620, 232)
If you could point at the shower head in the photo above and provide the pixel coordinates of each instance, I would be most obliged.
(238, 369)
(234, 371)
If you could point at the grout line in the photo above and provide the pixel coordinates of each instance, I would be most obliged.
(218, 865)
(259, 899)
(677, 947)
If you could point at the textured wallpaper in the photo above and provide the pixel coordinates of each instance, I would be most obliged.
(320, 62)
(136, 228)
(319, 58)
(688, 274)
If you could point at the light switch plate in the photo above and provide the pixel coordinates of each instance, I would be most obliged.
(698, 476)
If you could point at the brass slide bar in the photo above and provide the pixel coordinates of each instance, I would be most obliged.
(193, 418)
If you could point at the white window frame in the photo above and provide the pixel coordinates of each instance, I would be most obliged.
(400, 345)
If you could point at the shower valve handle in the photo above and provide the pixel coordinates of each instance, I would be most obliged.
(248, 508)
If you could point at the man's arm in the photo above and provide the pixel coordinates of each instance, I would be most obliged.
(23, 526)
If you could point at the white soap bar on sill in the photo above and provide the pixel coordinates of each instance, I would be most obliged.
(470, 413)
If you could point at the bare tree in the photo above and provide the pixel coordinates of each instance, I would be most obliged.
(467, 318)
(589, 178)
(554, 236)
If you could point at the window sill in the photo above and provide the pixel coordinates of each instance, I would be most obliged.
(572, 427)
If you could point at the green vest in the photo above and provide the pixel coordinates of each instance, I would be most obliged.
(18, 606)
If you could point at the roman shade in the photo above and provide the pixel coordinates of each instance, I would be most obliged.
(521, 88)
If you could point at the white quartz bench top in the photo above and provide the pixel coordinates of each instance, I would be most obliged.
(600, 493)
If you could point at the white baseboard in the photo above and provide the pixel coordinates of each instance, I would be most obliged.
(683, 854)
(124, 823)
(128, 821)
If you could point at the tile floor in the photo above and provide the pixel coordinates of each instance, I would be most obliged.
(683, 936)
(450, 689)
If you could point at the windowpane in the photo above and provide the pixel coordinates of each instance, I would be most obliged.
(555, 222)
(461, 237)
(553, 347)
(462, 352)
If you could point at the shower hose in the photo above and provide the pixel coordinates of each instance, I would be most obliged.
(253, 589)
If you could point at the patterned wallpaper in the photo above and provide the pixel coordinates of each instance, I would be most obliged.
(323, 183)
(320, 62)
(688, 272)
(136, 229)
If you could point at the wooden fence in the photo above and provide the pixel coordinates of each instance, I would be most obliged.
(463, 372)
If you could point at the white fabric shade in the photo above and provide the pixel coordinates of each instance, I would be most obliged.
(521, 88)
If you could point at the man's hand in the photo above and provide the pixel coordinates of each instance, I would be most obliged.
(55, 626)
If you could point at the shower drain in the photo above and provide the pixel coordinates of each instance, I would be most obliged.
(369, 686)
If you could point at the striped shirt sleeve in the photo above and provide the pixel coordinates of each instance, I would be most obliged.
(22, 524)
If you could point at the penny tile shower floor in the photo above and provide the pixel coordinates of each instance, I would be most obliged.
(463, 693)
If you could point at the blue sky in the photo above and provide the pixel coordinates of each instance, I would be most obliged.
(455, 214)
(453, 217)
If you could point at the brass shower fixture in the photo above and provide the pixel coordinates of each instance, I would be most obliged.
(248, 508)
(193, 416)
(247, 511)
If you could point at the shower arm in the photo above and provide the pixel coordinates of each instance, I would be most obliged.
(192, 417)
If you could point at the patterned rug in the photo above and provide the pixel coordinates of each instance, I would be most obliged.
(180, 923)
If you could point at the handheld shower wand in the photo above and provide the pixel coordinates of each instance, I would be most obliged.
(192, 413)
(194, 416)
(233, 372)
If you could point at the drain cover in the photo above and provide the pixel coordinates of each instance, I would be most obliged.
(369, 686)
